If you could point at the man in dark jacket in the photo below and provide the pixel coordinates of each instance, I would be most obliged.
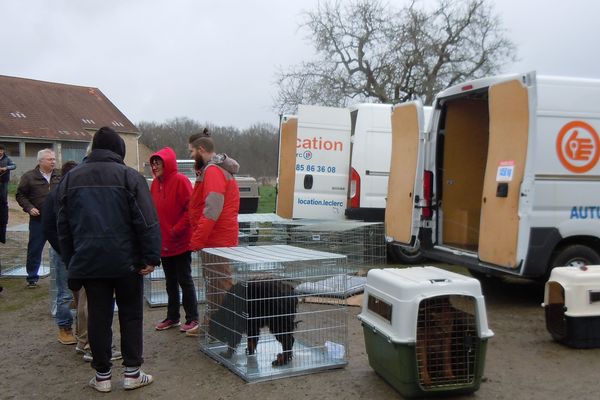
(33, 188)
(109, 237)
(6, 165)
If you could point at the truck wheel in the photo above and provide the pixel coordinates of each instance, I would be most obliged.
(402, 255)
(575, 255)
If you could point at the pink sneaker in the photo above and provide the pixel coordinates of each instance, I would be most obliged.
(166, 324)
(190, 326)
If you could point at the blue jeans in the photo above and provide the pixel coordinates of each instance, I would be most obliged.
(64, 297)
(35, 246)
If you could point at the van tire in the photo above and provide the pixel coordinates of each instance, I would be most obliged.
(398, 254)
(574, 255)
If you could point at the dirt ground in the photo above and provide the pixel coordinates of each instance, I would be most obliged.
(523, 362)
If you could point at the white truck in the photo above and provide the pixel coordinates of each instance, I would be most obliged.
(507, 179)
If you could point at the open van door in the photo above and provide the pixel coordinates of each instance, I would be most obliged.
(504, 227)
(402, 216)
(286, 174)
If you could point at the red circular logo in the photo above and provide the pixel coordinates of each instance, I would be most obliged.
(578, 146)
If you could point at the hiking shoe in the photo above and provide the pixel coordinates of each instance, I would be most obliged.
(189, 326)
(65, 336)
(134, 381)
(166, 324)
(103, 386)
(116, 355)
(32, 285)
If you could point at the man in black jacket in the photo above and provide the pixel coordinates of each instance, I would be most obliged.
(109, 237)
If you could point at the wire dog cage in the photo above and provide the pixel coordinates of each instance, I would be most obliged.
(260, 318)
(362, 242)
(425, 330)
(155, 290)
(13, 257)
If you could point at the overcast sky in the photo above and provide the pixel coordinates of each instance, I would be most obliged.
(215, 61)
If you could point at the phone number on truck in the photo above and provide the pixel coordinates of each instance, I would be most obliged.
(327, 169)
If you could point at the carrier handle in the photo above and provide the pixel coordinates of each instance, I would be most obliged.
(440, 280)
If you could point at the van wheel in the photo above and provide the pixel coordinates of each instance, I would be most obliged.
(575, 255)
(398, 254)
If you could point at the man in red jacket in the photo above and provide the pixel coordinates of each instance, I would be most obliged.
(213, 211)
(171, 193)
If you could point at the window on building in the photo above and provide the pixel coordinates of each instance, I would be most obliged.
(12, 148)
(31, 149)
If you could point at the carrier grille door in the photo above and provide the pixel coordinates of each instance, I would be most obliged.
(406, 171)
(286, 173)
(510, 104)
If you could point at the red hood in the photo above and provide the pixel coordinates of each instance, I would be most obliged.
(169, 161)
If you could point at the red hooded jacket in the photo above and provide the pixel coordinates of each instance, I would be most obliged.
(171, 196)
(215, 204)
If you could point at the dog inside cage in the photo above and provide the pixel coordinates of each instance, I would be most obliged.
(446, 340)
(251, 305)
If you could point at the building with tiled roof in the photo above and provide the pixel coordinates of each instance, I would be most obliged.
(35, 115)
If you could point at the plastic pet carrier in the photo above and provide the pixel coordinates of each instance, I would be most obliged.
(425, 330)
(572, 306)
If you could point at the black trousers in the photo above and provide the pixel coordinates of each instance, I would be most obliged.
(178, 272)
(128, 292)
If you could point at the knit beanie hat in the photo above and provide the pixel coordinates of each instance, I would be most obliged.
(106, 138)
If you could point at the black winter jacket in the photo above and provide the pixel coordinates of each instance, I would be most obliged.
(107, 223)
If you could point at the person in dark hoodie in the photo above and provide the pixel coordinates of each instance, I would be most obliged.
(171, 193)
(109, 238)
(64, 297)
(214, 208)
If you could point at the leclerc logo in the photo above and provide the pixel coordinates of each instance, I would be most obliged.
(578, 147)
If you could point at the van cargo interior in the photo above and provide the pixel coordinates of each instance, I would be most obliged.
(461, 161)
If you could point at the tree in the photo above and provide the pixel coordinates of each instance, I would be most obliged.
(369, 52)
(254, 148)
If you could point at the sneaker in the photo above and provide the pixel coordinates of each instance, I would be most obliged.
(190, 326)
(116, 355)
(65, 336)
(166, 324)
(136, 381)
(32, 285)
(103, 386)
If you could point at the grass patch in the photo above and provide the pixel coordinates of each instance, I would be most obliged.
(17, 296)
(12, 188)
(266, 203)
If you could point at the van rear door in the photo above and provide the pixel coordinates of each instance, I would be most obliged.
(286, 171)
(402, 214)
(504, 225)
(322, 162)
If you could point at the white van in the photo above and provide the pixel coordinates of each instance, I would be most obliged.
(506, 181)
(314, 153)
(371, 143)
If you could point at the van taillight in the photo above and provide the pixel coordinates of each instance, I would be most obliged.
(427, 194)
(354, 189)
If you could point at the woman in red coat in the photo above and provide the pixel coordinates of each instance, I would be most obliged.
(171, 193)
